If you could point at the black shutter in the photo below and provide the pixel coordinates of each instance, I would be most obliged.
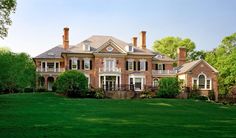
(138, 65)
(164, 68)
(82, 64)
(126, 66)
(91, 65)
(70, 64)
(78, 64)
(134, 65)
(146, 65)
(156, 67)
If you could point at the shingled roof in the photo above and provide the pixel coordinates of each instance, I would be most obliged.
(97, 41)
(54, 52)
(190, 65)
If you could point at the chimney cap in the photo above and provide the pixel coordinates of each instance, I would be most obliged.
(66, 28)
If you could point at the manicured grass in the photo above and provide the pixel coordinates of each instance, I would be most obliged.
(40, 115)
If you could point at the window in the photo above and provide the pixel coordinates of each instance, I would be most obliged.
(160, 66)
(201, 84)
(130, 65)
(74, 63)
(86, 64)
(195, 83)
(130, 49)
(50, 65)
(109, 48)
(138, 83)
(155, 83)
(208, 84)
(142, 65)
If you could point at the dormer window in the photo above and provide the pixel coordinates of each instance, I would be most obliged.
(129, 48)
(86, 45)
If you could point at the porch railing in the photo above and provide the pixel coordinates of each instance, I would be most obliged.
(115, 69)
(164, 72)
(50, 69)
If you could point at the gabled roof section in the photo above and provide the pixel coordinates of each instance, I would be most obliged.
(189, 66)
(112, 43)
(54, 52)
(96, 41)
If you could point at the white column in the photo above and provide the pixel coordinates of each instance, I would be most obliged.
(46, 66)
(104, 81)
(54, 66)
(99, 81)
(142, 84)
(59, 68)
(116, 81)
(41, 66)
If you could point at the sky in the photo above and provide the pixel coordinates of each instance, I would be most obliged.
(38, 24)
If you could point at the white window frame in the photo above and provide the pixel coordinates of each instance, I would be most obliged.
(143, 81)
(87, 61)
(74, 63)
(206, 79)
(154, 82)
(86, 47)
(160, 66)
(142, 61)
(131, 61)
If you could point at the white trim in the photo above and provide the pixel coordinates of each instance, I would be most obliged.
(206, 79)
(143, 81)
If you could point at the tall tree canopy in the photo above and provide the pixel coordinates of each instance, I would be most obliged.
(223, 58)
(169, 45)
(17, 71)
(6, 8)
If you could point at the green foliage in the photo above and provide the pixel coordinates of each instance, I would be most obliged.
(99, 93)
(169, 45)
(72, 83)
(17, 71)
(146, 94)
(195, 55)
(169, 88)
(6, 8)
(223, 58)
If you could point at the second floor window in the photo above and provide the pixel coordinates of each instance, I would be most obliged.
(142, 65)
(86, 64)
(74, 64)
(130, 65)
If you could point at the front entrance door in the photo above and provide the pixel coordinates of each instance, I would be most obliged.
(110, 83)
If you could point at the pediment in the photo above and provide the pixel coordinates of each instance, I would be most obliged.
(110, 47)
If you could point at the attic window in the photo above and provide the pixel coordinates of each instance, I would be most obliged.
(109, 49)
(131, 49)
(51, 54)
(86, 46)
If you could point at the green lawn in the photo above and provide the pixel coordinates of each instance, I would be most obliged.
(40, 115)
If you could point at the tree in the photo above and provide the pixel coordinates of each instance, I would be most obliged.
(17, 71)
(72, 83)
(195, 55)
(169, 88)
(169, 45)
(6, 8)
(223, 58)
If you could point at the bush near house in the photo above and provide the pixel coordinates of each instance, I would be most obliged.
(168, 88)
(72, 83)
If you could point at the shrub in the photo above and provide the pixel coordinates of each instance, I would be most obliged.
(194, 93)
(99, 93)
(146, 94)
(72, 83)
(41, 90)
(169, 88)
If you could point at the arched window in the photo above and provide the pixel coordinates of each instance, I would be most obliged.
(155, 83)
(201, 84)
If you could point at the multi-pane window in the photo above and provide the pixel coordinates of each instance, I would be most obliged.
(87, 64)
(155, 83)
(130, 65)
(138, 83)
(201, 84)
(142, 65)
(74, 63)
(160, 67)
(208, 84)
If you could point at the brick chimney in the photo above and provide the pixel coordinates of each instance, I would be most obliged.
(134, 41)
(143, 39)
(181, 51)
(65, 38)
